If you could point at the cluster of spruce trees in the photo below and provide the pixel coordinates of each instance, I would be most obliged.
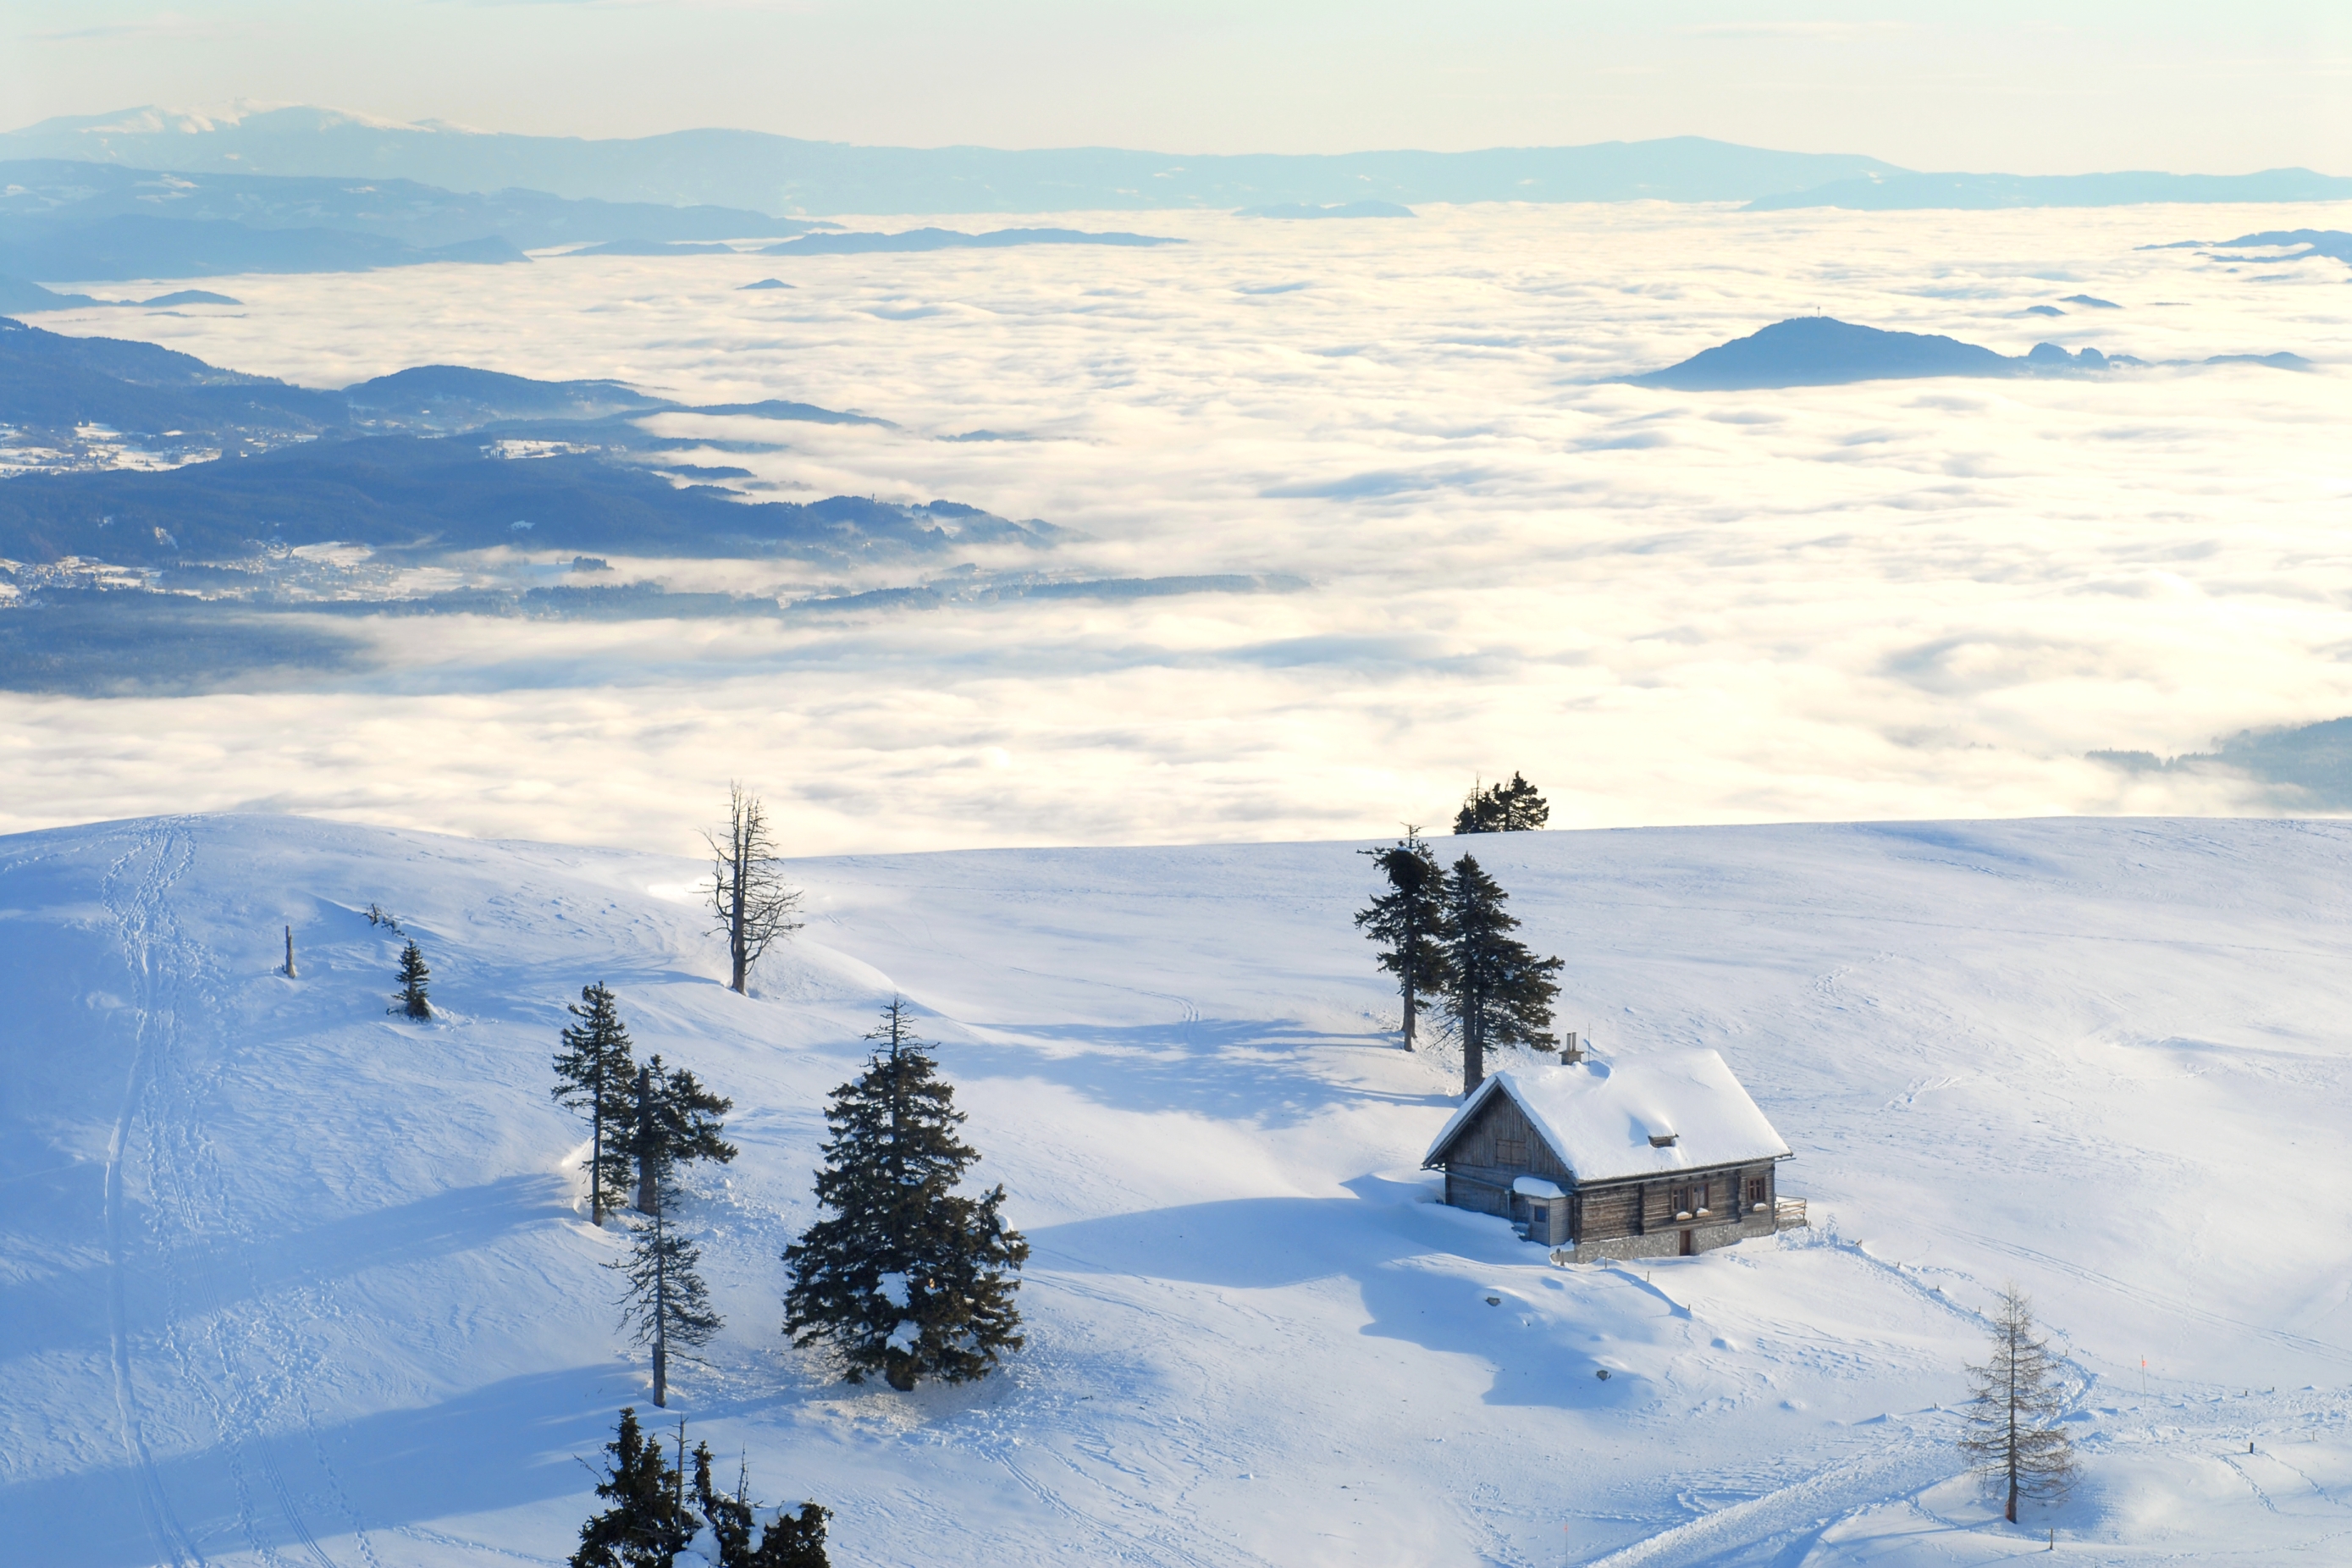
(647, 1121)
(902, 1275)
(1445, 934)
(657, 1515)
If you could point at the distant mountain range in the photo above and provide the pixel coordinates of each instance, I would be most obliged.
(764, 173)
(783, 175)
(91, 222)
(1818, 351)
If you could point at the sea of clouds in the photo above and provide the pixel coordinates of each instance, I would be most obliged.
(1893, 599)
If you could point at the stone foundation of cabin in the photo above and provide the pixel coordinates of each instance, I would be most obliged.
(1664, 1243)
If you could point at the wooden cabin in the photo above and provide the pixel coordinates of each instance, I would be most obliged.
(1659, 1156)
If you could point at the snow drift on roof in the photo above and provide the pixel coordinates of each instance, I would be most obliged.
(1604, 1118)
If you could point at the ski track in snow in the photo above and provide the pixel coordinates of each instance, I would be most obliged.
(240, 1367)
(134, 919)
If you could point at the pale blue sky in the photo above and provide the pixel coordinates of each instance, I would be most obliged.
(1991, 85)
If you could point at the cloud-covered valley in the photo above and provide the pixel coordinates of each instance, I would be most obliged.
(1913, 598)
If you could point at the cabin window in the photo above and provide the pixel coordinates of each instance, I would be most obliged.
(1539, 1219)
(1755, 1189)
(1681, 1197)
(1510, 1151)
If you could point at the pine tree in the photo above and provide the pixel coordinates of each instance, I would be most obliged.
(667, 1306)
(785, 1541)
(1499, 992)
(595, 1075)
(1407, 919)
(649, 1523)
(903, 1276)
(1513, 807)
(2013, 1432)
(413, 975)
(675, 1121)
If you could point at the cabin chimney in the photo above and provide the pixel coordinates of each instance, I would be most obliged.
(1571, 1049)
(290, 954)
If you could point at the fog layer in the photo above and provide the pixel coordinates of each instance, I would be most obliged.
(1885, 599)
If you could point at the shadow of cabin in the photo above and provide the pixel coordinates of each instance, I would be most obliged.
(1662, 1157)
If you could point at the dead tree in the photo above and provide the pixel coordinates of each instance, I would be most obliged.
(747, 890)
(2012, 1433)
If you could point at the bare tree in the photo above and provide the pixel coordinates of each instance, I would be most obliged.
(748, 892)
(2013, 1433)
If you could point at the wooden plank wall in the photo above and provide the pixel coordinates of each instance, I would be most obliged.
(1641, 1208)
(1501, 1119)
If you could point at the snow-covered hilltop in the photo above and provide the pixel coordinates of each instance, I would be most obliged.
(284, 1279)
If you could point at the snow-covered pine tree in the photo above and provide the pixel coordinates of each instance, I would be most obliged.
(1513, 807)
(901, 1274)
(413, 976)
(595, 1075)
(1499, 992)
(2017, 1400)
(786, 1541)
(667, 1306)
(675, 1121)
(649, 1523)
(1406, 920)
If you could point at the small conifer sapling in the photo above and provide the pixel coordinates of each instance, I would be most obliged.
(414, 1002)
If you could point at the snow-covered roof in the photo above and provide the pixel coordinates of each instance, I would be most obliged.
(1654, 1115)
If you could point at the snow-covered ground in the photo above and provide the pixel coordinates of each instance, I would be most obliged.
(285, 1280)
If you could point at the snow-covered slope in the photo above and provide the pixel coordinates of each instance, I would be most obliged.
(285, 1280)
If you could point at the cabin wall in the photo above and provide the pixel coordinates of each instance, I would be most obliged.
(1497, 1148)
(1607, 1220)
(1650, 1218)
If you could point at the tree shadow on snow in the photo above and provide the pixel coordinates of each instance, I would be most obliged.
(1232, 1069)
(509, 1442)
(67, 1311)
(1378, 1238)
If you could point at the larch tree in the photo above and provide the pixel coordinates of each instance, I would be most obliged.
(1500, 991)
(649, 1523)
(902, 1274)
(748, 892)
(675, 1121)
(1406, 921)
(1513, 807)
(2017, 1399)
(415, 978)
(595, 1075)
